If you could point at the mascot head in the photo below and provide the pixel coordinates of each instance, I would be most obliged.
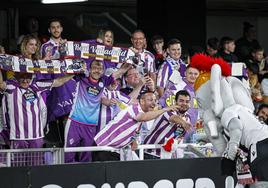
(215, 88)
(207, 85)
(204, 64)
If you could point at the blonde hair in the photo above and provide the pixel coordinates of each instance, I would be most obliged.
(102, 32)
(24, 43)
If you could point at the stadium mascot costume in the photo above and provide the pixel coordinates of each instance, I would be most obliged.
(226, 110)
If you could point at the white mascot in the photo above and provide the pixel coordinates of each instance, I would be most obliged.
(227, 110)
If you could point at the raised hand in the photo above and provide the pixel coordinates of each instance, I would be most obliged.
(172, 108)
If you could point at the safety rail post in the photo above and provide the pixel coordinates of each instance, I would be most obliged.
(9, 159)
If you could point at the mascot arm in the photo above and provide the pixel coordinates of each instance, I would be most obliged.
(213, 129)
(211, 122)
(235, 133)
(215, 79)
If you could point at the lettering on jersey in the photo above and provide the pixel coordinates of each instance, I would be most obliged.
(92, 90)
(65, 103)
(170, 100)
(195, 103)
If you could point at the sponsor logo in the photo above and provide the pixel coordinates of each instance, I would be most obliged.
(185, 183)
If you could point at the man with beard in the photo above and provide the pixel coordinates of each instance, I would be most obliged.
(50, 49)
(59, 100)
(81, 126)
(187, 83)
(172, 124)
(262, 113)
(124, 129)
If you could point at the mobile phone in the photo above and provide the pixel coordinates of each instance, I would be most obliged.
(145, 72)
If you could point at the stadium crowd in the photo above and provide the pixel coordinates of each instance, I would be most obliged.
(118, 105)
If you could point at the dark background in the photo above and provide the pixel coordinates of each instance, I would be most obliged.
(149, 171)
(185, 20)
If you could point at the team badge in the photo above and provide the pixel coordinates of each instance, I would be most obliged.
(29, 96)
(101, 84)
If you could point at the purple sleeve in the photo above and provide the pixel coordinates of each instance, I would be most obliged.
(163, 75)
(11, 86)
(43, 50)
(182, 69)
(108, 80)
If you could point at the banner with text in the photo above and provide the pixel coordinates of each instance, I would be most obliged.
(98, 51)
(20, 64)
(177, 173)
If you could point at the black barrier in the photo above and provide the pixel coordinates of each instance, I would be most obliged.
(148, 172)
(14, 177)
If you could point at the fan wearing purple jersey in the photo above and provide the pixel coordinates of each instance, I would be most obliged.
(106, 37)
(146, 58)
(124, 128)
(50, 49)
(173, 63)
(60, 99)
(187, 83)
(172, 124)
(22, 108)
(113, 101)
(133, 81)
(82, 124)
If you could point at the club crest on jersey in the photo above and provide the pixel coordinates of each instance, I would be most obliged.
(101, 84)
(179, 132)
(29, 96)
(91, 90)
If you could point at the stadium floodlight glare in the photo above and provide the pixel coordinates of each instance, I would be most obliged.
(61, 1)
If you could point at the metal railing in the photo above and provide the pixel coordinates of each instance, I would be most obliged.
(51, 156)
(31, 157)
(194, 149)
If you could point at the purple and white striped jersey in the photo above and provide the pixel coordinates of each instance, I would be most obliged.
(108, 112)
(164, 129)
(50, 47)
(148, 60)
(166, 71)
(168, 98)
(23, 109)
(122, 129)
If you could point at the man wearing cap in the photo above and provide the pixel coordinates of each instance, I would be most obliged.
(22, 108)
